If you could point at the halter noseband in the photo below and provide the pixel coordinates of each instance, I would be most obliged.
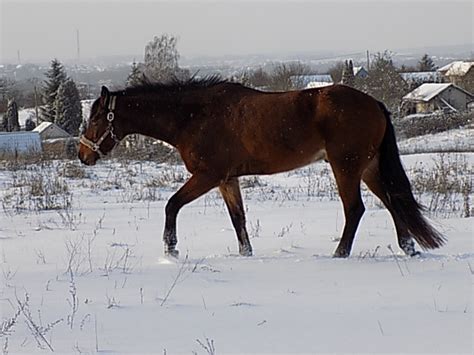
(95, 146)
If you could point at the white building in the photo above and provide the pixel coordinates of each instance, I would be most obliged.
(48, 130)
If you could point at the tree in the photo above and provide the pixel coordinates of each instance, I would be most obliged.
(68, 108)
(161, 59)
(10, 121)
(30, 124)
(136, 76)
(6, 91)
(56, 76)
(384, 82)
(426, 64)
(288, 76)
(336, 72)
(348, 77)
(257, 78)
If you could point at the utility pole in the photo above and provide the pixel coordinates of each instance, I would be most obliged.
(78, 46)
(368, 60)
(36, 106)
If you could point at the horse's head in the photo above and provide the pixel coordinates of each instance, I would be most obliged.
(99, 137)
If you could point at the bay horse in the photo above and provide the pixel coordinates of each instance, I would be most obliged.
(224, 130)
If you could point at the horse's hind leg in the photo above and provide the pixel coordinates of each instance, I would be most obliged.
(195, 187)
(230, 191)
(373, 181)
(348, 184)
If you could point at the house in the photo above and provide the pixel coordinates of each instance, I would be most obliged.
(460, 73)
(18, 143)
(431, 97)
(311, 81)
(48, 130)
(360, 72)
(415, 79)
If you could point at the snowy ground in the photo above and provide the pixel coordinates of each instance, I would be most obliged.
(90, 276)
(457, 140)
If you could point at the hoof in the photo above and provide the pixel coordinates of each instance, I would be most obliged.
(245, 251)
(408, 247)
(341, 254)
(173, 253)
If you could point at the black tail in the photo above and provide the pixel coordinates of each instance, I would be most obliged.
(398, 189)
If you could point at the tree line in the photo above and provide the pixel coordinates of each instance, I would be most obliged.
(384, 80)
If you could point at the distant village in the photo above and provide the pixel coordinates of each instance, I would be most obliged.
(447, 89)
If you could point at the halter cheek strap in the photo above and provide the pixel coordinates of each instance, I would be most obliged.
(95, 146)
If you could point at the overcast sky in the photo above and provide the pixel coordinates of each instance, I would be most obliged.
(41, 30)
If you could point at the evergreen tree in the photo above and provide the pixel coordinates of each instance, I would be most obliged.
(10, 121)
(30, 124)
(426, 63)
(135, 77)
(4, 123)
(68, 108)
(6, 90)
(56, 76)
(348, 77)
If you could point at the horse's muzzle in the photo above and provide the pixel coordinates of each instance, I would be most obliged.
(88, 158)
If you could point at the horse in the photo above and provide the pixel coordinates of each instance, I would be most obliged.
(224, 130)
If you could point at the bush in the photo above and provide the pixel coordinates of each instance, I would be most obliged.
(421, 124)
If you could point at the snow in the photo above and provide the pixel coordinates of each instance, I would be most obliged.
(426, 92)
(456, 68)
(317, 84)
(427, 76)
(305, 80)
(291, 297)
(42, 126)
(457, 140)
(25, 113)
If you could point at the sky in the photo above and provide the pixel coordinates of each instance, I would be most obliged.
(41, 30)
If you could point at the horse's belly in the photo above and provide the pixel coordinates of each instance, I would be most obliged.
(287, 162)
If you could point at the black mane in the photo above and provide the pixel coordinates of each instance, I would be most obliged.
(173, 85)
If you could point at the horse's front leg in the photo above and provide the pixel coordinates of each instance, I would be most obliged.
(195, 187)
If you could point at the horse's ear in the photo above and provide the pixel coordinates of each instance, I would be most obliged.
(104, 96)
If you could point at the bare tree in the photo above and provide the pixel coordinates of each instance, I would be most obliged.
(257, 78)
(288, 76)
(161, 59)
(336, 72)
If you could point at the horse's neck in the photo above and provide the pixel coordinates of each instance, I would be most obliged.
(153, 118)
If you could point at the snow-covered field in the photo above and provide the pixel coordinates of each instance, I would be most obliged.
(90, 275)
